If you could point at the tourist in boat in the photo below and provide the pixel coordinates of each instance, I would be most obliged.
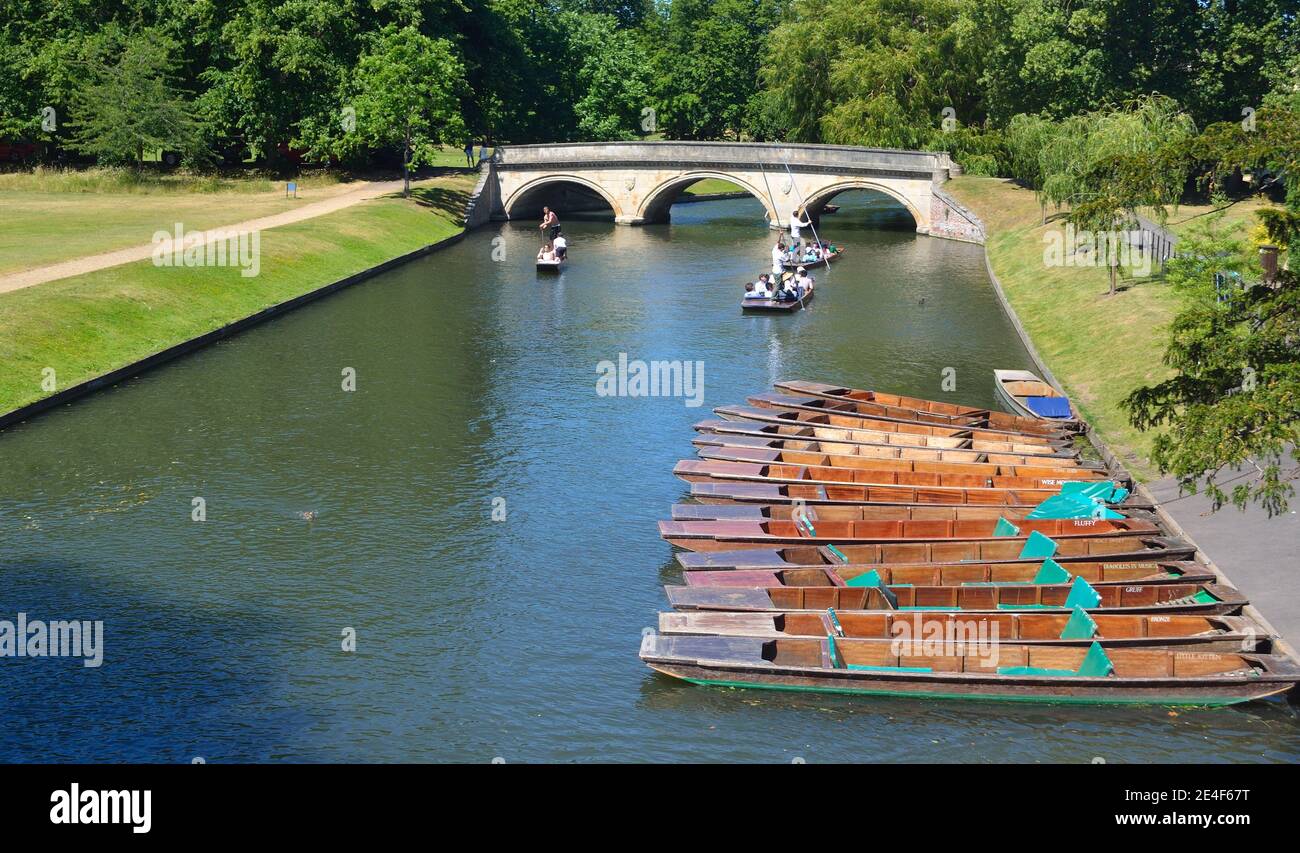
(550, 224)
(778, 258)
(803, 283)
(798, 220)
(786, 292)
(546, 253)
(560, 245)
(761, 290)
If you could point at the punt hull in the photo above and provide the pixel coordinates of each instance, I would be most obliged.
(712, 438)
(1234, 634)
(724, 493)
(906, 420)
(678, 534)
(774, 306)
(936, 686)
(1216, 600)
(1145, 550)
(955, 574)
(934, 408)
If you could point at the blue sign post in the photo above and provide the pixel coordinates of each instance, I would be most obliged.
(291, 187)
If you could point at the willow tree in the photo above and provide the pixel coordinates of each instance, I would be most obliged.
(1108, 164)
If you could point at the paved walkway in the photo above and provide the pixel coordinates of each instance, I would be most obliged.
(91, 263)
(1260, 554)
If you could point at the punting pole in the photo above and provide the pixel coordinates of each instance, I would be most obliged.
(775, 212)
(795, 184)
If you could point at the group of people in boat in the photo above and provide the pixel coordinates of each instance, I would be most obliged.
(557, 246)
(808, 252)
(781, 286)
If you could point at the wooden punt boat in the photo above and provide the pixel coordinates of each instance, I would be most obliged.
(861, 667)
(1027, 395)
(1207, 598)
(958, 574)
(955, 631)
(820, 262)
(1089, 548)
(840, 428)
(877, 486)
(753, 436)
(993, 417)
(815, 458)
(759, 513)
(734, 535)
(908, 420)
(775, 306)
(728, 492)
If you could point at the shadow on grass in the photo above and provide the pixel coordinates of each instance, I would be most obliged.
(446, 202)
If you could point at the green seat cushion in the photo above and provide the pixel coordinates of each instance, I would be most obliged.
(1038, 545)
(1095, 663)
(1082, 594)
(1051, 572)
(1005, 528)
(1032, 670)
(871, 578)
(1080, 626)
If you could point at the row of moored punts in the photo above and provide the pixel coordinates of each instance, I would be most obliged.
(854, 541)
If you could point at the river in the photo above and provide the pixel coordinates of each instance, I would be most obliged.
(481, 638)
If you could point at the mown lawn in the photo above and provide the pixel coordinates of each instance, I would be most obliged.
(1100, 347)
(709, 186)
(51, 216)
(89, 325)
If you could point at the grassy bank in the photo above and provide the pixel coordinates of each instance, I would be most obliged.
(710, 186)
(1100, 347)
(54, 216)
(86, 326)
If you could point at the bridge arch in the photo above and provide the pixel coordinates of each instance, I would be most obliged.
(654, 207)
(528, 198)
(818, 199)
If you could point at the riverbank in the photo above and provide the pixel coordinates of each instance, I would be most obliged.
(1099, 347)
(64, 333)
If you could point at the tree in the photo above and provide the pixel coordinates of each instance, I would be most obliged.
(407, 88)
(1235, 398)
(129, 106)
(874, 72)
(612, 75)
(707, 65)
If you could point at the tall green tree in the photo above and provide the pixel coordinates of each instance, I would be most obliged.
(882, 73)
(407, 89)
(1234, 400)
(129, 104)
(707, 61)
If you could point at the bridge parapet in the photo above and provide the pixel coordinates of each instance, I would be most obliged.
(640, 181)
(831, 159)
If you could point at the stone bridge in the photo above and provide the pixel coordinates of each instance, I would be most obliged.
(639, 181)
